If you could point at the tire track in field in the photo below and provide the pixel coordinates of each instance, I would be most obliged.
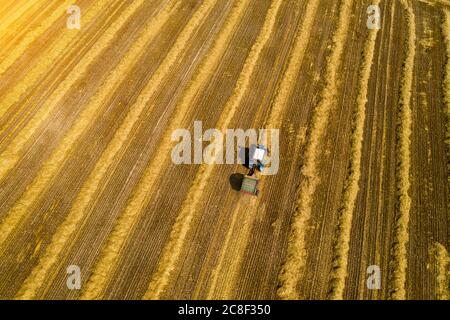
(57, 159)
(8, 59)
(401, 233)
(351, 189)
(11, 155)
(107, 262)
(295, 257)
(273, 121)
(52, 54)
(78, 213)
(148, 182)
(173, 248)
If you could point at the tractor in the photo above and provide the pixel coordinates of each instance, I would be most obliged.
(256, 163)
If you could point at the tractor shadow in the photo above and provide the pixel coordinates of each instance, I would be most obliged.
(244, 156)
(237, 178)
(236, 181)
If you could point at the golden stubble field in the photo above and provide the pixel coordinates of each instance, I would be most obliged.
(86, 123)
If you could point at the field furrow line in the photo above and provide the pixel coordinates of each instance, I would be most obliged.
(32, 17)
(51, 55)
(8, 6)
(8, 59)
(148, 182)
(295, 257)
(443, 272)
(11, 155)
(289, 80)
(283, 93)
(446, 84)
(401, 233)
(442, 2)
(83, 122)
(78, 213)
(24, 24)
(109, 256)
(351, 189)
(443, 257)
(21, 112)
(13, 18)
(221, 261)
(173, 248)
(436, 2)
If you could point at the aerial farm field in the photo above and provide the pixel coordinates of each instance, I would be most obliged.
(359, 207)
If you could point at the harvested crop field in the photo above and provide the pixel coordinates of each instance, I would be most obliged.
(359, 207)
